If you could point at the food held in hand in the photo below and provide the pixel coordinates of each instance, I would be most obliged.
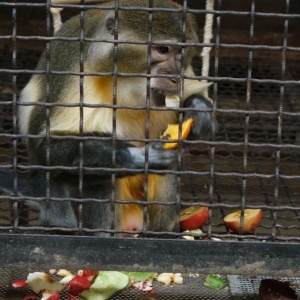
(252, 218)
(172, 133)
(172, 101)
(193, 217)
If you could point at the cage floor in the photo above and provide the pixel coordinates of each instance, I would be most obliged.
(193, 288)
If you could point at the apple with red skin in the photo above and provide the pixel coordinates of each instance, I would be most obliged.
(252, 218)
(193, 217)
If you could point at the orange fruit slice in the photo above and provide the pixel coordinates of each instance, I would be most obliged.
(172, 133)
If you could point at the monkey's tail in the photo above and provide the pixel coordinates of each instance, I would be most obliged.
(7, 184)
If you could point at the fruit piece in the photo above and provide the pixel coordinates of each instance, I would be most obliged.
(71, 297)
(271, 289)
(63, 272)
(141, 280)
(52, 271)
(172, 101)
(214, 281)
(51, 296)
(87, 273)
(19, 283)
(177, 278)
(168, 278)
(144, 286)
(252, 218)
(193, 217)
(172, 133)
(78, 284)
(191, 237)
(66, 279)
(40, 281)
(140, 276)
(165, 278)
(106, 284)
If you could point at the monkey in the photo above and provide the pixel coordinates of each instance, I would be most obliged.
(92, 117)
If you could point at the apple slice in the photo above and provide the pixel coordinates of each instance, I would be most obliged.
(40, 281)
(19, 283)
(172, 133)
(46, 295)
(252, 218)
(106, 284)
(193, 217)
(78, 284)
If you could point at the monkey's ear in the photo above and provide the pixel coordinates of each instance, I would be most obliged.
(110, 25)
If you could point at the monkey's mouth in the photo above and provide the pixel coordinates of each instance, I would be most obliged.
(159, 96)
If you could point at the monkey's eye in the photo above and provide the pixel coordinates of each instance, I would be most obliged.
(162, 49)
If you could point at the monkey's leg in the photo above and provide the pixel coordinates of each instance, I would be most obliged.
(58, 212)
(130, 216)
(97, 209)
(163, 189)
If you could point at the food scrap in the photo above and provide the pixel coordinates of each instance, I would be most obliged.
(190, 234)
(40, 281)
(142, 280)
(172, 133)
(172, 101)
(215, 282)
(89, 284)
(168, 278)
(106, 284)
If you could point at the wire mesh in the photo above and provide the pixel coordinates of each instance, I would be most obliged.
(254, 158)
(192, 289)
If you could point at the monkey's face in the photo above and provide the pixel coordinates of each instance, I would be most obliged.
(166, 72)
(166, 67)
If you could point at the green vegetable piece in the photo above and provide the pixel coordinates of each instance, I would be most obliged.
(107, 283)
(140, 276)
(214, 281)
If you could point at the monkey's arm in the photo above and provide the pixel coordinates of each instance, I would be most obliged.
(98, 153)
(202, 116)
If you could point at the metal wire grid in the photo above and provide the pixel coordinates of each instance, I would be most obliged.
(262, 151)
(249, 286)
(192, 288)
(239, 287)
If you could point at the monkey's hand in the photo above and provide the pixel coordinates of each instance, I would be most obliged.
(157, 158)
(201, 113)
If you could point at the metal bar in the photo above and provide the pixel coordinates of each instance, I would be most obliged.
(158, 255)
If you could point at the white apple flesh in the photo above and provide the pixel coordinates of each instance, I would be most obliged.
(252, 218)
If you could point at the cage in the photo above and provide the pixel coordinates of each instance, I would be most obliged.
(251, 160)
